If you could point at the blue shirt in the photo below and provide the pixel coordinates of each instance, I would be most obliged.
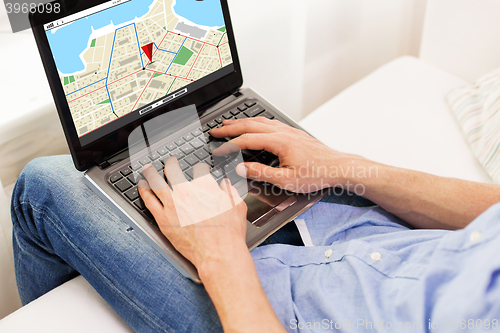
(369, 272)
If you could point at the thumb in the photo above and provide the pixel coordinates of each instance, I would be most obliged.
(264, 173)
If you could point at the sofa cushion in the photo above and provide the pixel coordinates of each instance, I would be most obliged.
(73, 307)
(9, 297)
(399, 116)
(477, 108)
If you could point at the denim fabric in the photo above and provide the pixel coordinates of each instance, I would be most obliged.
(366, 272)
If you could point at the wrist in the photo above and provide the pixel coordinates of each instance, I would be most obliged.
(223, 262)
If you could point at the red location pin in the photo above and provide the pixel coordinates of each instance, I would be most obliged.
(148, 50)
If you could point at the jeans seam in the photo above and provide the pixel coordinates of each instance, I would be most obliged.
(62, 234)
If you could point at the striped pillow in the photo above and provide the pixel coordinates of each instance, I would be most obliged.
(477, 108)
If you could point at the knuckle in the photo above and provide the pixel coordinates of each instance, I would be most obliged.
(245, 136)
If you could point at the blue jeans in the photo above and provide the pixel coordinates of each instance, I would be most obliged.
(62, 229)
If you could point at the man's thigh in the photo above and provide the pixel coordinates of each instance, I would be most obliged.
(70, 221)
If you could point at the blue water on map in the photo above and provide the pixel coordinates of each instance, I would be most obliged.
(68, 42)
(206, 12)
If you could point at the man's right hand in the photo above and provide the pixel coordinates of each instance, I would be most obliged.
(306, 165)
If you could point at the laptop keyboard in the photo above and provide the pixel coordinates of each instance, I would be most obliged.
(190, 149)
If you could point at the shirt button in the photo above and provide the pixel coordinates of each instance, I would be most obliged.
(375, 256)
(328, 253)
(475, 236)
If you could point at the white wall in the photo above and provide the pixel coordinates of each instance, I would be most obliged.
(4, 21)
(299, 54)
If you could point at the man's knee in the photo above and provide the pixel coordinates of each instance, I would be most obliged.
(41, 175)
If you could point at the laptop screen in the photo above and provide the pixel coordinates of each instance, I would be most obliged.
(122, 59)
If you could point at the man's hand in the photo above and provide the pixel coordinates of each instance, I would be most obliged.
(306, 165)
(207, 224)
(203, 221)
(423, 200)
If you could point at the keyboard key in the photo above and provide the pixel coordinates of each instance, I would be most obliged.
(192, 160)
(233, 177)
(197, 143)
(250, 103)
(132, 194)
(164, 158)
(158, 165)
(217, 173)
(115, 177)
(264, 158)
(154, 156)
(212, 124)
(150, 216)
(255, 111)
(246, 155)
(188, 137)
(189, 174)
(179, 142)
(162, 152)
(205, 128)
(123, 185)
(227, 115)
(219, 119)
(171, 146)
(201, 154)
(268, 115)
(177, 154)
(198, 132)
(136, 166)
(234, 112)
(126, 171)
(145, 161)
(140, 204)
(183, 165)
(134, 177)
(241, 116)
(208, 161)
(187, 149)
(227, 167)
(242, 107)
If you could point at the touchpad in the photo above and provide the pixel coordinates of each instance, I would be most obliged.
(264, 201)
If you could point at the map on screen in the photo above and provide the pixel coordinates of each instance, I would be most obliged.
(126, 54)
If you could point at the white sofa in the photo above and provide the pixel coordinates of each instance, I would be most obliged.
(397, 115)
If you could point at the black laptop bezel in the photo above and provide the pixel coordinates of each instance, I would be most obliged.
(107, 146)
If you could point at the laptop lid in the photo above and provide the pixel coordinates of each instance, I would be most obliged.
(113, 65)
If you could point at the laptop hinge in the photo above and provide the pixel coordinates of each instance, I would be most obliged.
(208, 108)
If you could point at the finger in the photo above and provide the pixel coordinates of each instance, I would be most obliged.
(173, 172)
(263, 120)
(150, 200)
(156, 183)
(200, 170)
(270, 142)
(240, 126)
(226, 149)
(231, 191)
(264, 173)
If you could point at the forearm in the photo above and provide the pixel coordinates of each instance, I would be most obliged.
(425, 200)
(234, 287)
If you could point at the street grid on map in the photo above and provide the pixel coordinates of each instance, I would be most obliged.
(118, 77)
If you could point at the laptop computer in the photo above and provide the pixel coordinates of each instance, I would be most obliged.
(116, 67)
